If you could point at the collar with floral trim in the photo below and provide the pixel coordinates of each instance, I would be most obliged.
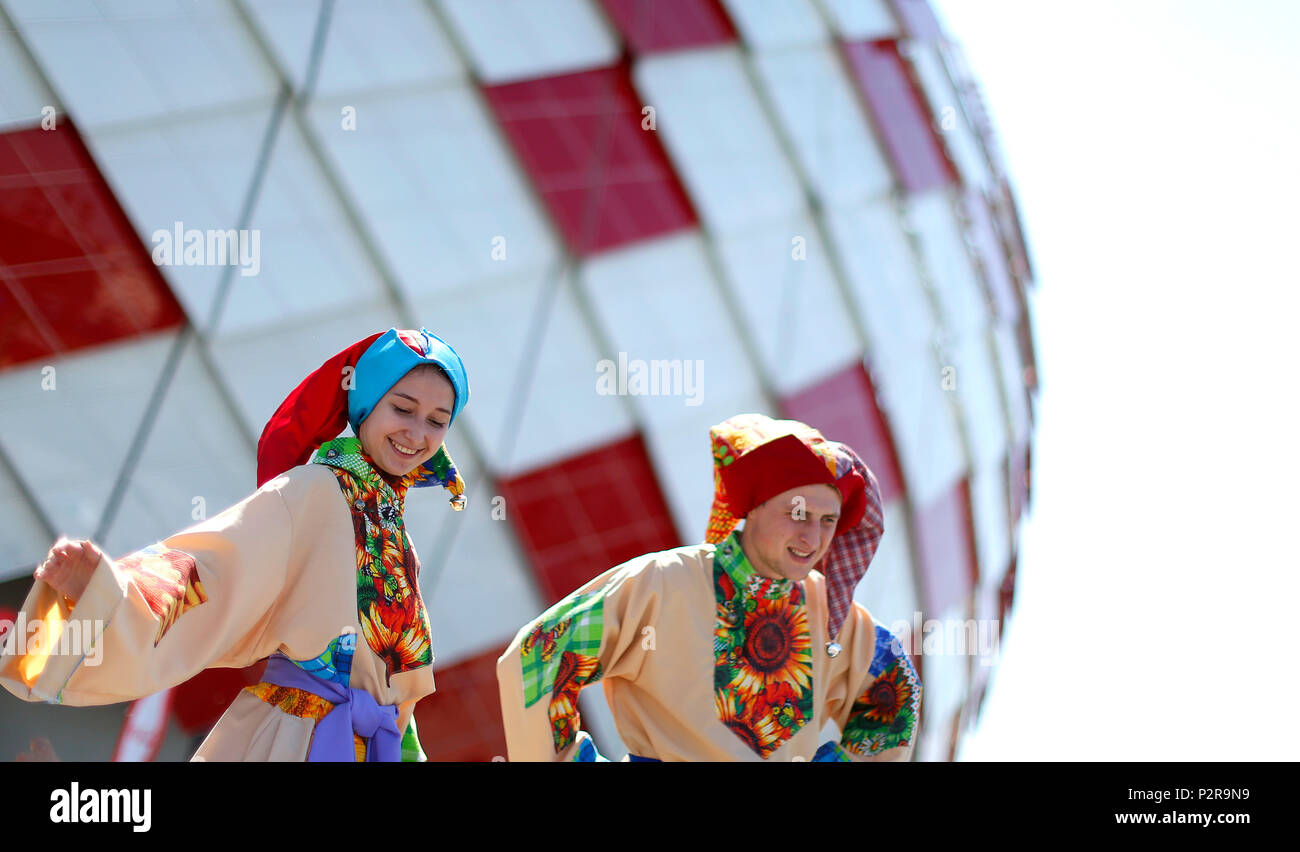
(392, 614)
(762, 652)
(731, 557)
(346, 453)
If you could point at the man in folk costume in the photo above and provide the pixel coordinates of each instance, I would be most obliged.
(735, 649)
(315, 571)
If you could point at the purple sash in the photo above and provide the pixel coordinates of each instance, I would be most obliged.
(355, 712)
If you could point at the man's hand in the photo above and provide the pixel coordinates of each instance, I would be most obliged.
(69, 566)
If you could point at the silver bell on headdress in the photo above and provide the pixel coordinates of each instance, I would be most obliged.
(458, 502)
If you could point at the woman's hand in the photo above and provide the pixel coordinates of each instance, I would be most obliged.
(41, 752)
(69, 566)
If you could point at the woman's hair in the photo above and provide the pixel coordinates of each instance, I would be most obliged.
(437, 370)
(426, 367)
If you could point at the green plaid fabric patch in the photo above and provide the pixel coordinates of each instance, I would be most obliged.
(574, 625)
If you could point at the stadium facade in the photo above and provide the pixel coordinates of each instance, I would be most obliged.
(632, 219)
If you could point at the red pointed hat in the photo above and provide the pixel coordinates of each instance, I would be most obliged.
(756, 458)
(345, 389)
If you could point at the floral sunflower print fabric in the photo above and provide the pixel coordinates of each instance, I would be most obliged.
(559, 656)
(391, 613)
(168, 580)
(885, 716)
(295, 702)
(441, 470)
(576, 671)
(762, 675)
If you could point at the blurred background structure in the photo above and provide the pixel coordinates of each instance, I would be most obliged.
(803, 197)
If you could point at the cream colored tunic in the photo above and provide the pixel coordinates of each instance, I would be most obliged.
(689, 679)
(275, 572)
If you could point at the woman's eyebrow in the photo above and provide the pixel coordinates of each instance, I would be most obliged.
(417, 402)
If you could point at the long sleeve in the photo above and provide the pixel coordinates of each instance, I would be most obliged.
(602, 630)
(879, 717)
(148, 621)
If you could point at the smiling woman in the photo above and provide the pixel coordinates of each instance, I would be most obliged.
(314, 571)
(409, 424)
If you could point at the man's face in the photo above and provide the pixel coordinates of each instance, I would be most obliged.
(408, 425)
(788, 535)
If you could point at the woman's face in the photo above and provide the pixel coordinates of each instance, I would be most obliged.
(408, 425)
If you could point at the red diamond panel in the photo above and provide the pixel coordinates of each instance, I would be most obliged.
(73, 273)
(1009, 222)
(900, 115)
(946, 548)
(605, 181)
(1029, 366)
(581, 516)
(1018, 479)
(198, 703)
(843, 407)
(670, 24)
(462, 720)
(1006, 597)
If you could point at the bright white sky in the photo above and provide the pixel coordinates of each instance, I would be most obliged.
(1153, 146)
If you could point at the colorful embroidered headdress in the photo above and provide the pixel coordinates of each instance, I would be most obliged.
(756, 458)
(345, 389)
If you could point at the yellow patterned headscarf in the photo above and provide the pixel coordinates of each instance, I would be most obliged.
(739, 436)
